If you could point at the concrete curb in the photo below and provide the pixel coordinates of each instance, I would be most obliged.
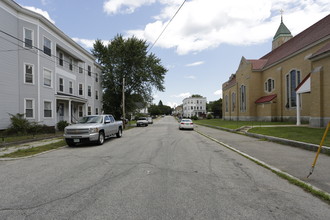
(257, 161)
(302, 145)
(298, 144)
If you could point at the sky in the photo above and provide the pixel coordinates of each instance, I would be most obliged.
(201, 44)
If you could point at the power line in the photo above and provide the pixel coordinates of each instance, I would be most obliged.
(166, 26)
(42, 54)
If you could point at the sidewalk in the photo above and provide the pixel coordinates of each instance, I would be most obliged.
(292, 160)
(12, 148)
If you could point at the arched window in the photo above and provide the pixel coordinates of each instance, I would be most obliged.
(242, 100)
(292, 81)
(269, 85)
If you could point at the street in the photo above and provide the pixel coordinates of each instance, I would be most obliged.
(154, 172)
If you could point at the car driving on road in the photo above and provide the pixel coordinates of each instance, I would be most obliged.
(186, 124)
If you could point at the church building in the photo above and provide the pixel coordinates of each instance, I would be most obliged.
(290, 83)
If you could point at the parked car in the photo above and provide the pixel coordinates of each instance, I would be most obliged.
(93, 128)
(186, 124)
(150, 121)
(142, 121)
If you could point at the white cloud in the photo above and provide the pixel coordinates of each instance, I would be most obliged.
(172, 104)
(86, 43)
(40, 11)
(124, 6)
(182, 95)
(45, 2)
(218, 93)
(190, 77)
(195, 63)
(206, 24)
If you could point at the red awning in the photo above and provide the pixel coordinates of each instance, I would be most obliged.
(264, 99)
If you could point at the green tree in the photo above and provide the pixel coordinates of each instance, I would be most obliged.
(128, 58)
(215, 107)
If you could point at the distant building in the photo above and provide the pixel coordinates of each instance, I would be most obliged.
(194, 106)
(44, 73)
(292, 82)
(178, 111)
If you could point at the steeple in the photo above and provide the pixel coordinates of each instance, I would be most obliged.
(282, 35)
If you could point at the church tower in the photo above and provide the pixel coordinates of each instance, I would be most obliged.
(282, 35)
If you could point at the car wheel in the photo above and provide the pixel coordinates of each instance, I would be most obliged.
(119, 133)
(70, 142)
(100, 141)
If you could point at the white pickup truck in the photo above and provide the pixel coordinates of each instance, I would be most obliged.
(93, 128)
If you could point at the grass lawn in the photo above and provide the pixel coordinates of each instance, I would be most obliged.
(237, 124)
(304, 134)
(34, 150)
(9, 139)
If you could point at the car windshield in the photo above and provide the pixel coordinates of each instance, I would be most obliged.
(142, 118)
(186, 120)
(91, 119)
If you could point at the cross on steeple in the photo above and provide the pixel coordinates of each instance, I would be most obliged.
(281, 15)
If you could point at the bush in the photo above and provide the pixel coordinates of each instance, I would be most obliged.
(209, 116)
(19, 124)
(61, 125)
(194, 117)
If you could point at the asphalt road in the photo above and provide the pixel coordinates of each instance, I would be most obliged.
(154, 172)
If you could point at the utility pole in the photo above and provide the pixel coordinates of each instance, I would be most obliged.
(124, 117)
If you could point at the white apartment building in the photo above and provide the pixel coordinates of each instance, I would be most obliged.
(44, 73)
(194, 106)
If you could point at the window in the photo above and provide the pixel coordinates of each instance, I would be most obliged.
(233, 101)
(47, 78)
(89, 69)
(29, 106)
(89, 110)
(81, 89)
(242, 93)
(96, 111)
(269, 85)
(89, 91)
(71, 64)
(96, 77)
(80, 69)
(28, 38)
(96, 94)
(60, 59)
(71, 87)
(47, 46)
(47, 109)
(80, 110)
(226, 103)
(28, 73)
(292, 81)
(61, 85)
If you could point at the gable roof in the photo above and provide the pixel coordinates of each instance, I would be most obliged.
(312, 34)
(258, 64)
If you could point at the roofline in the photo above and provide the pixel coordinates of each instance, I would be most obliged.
(49, 24)
(295, 53)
